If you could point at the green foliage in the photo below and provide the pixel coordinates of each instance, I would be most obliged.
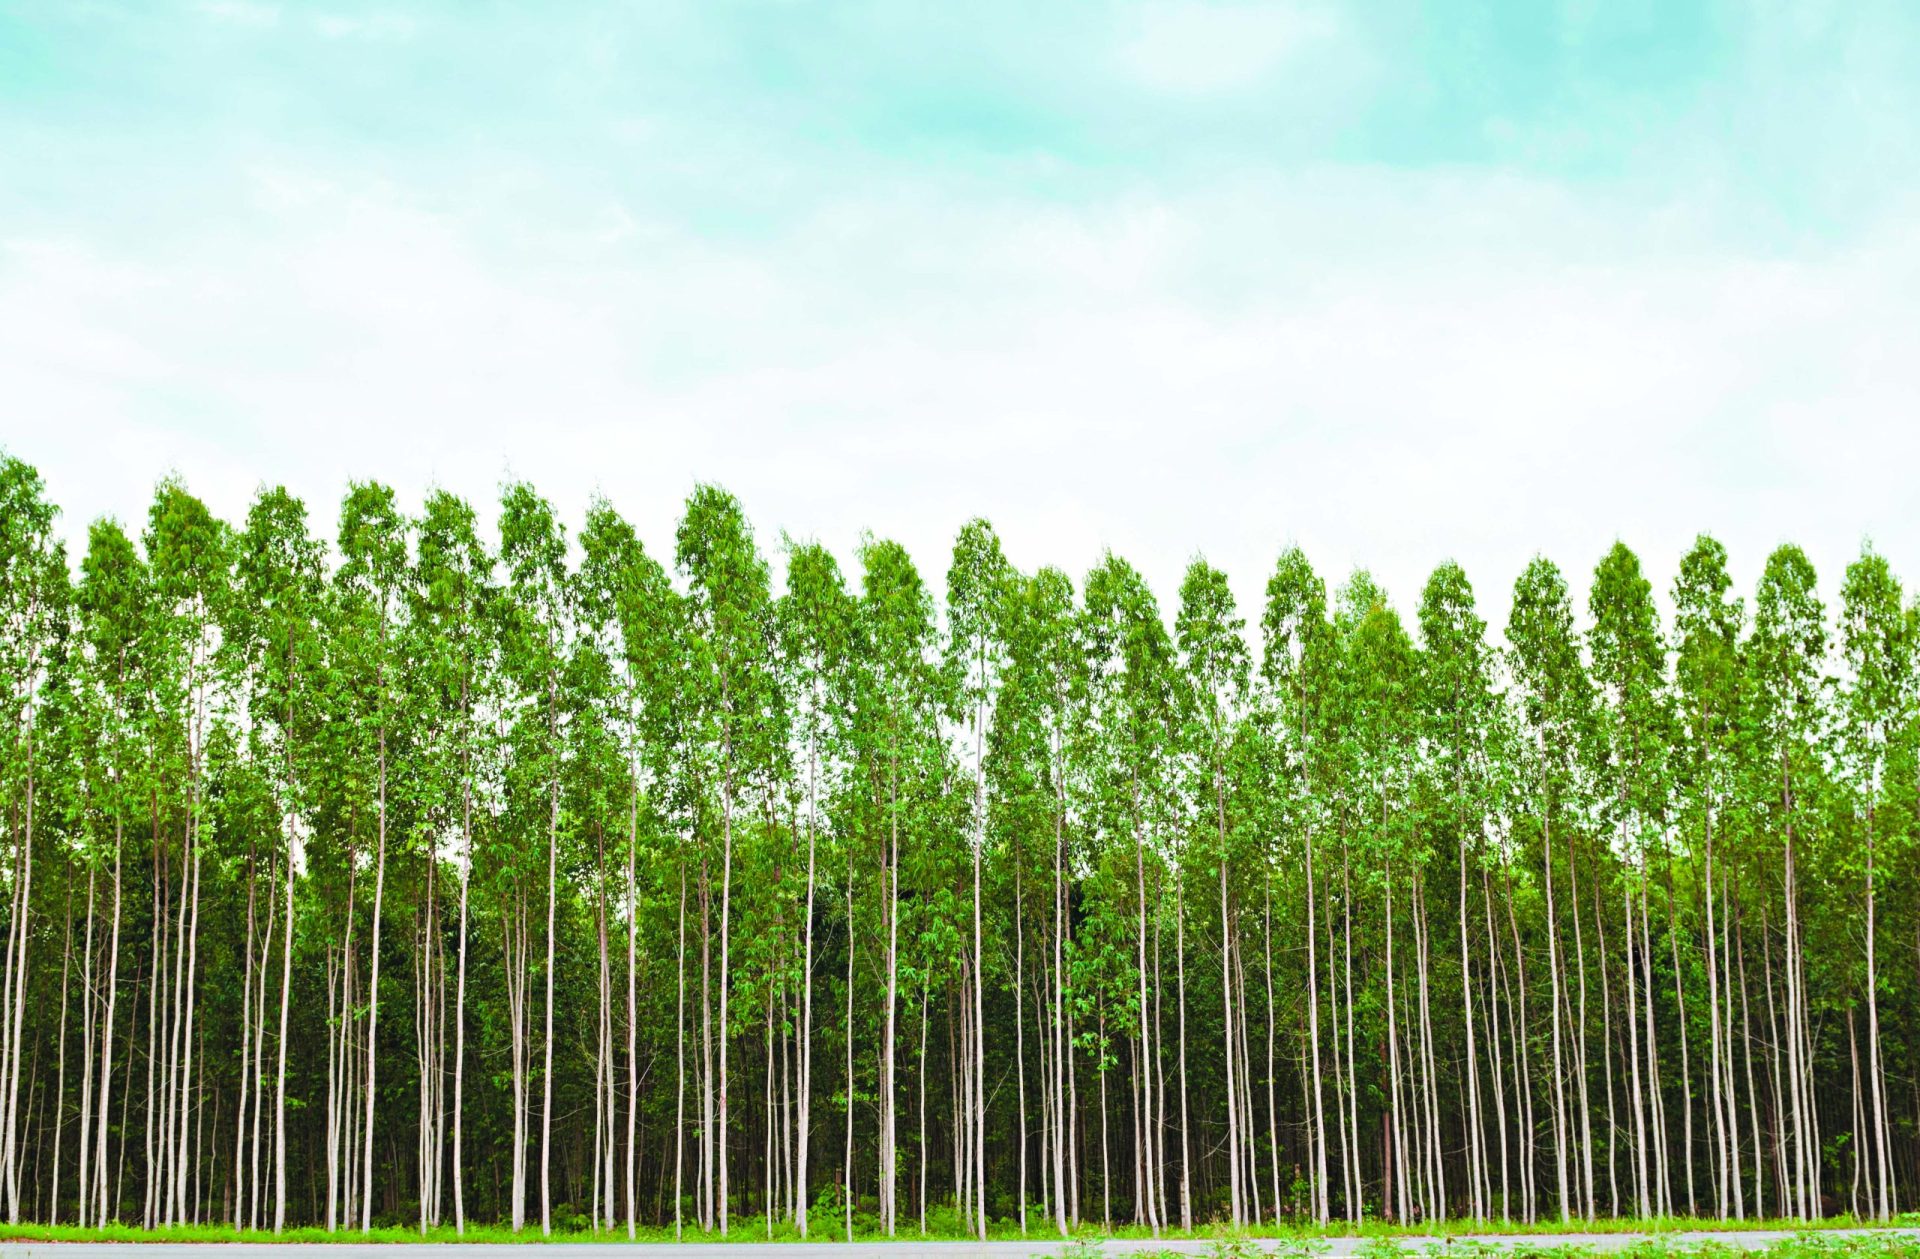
(1319, 844)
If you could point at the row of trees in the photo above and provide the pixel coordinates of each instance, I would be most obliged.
(434, 878)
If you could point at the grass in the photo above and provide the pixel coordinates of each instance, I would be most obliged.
(1302, 1243)
(1506, 1228)
(1807, 1245)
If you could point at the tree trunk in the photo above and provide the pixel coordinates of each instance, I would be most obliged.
(1321, 1211)
(680, 1061)
(726, 983)
(889, 1145)
(1180, 973)
(60, 1048)
(1557, 1006)
(553, 872)
(1020, 1022)
(1476, 1154)
(102, 1198)
(1883, 1198)
(633, 1058)
(373, 991)
(804, 1120)
(460, 993)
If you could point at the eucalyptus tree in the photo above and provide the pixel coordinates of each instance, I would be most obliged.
(1364, 711)
(602, 804)
(1037, 725)
(1297, 661)
(997, 818)
(455, 661)
(536, 646)
(1057, 640)
(624, 589)
(729, 636)
(1555, 701)
(33, 609)
(189, 556)
(1708, 623)
(977, 580)
(902, 697)
(1629, 667)
(1375, 718)
(524, 618)
(1457, 709)
(244, 822)
(1264, 810)
(373, 582)
(1362, 624)
(631, 612)
(1132, 692)
(816, 624)
(1879, 707)
(1785, 655)
(1215, 663)
(63, 806)
(114, 604)
(279, 626)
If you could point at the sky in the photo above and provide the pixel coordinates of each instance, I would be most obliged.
(1397, 282)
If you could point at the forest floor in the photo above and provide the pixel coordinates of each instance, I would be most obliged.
(28, 1241)
(1880, 1244)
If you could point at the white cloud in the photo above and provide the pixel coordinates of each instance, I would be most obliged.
(1389, 369)
(1201, 47)
(378, 26)
(239, 12)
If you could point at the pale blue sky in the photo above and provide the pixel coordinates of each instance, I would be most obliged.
(1398, 281)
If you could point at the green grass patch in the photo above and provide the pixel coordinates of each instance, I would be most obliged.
(1451, 1238)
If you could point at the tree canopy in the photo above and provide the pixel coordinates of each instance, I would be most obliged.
(736, 891)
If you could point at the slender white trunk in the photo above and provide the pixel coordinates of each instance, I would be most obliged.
(60, 1049)
(460, 997)
(889, 1144)
(14, 1041)
(726, 936)
(280, 1046)
(1719, 1104)
(846, 1184)
(1060, 1205)
(633, 1057)
(1226, 987)
(1557, 1009)
(1020, 1023)
(680, 1061)
(246, 1047)
(1180, 980)
(261, 969)
(373, 992)
(101, 1197)
(83, 1164)
(1476, 1154)
(1641, 1182)
(979, 979)
(804, 1120)
(183, 1166)
(1321, 1210)
(1883, 1196)
(553, 878)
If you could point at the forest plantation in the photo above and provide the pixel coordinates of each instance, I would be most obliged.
(439, 874)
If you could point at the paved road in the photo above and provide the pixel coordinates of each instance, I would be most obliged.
(904, 1248)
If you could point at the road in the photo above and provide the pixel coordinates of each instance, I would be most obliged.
(903, 1248)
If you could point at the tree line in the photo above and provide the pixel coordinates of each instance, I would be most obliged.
(442, 875)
